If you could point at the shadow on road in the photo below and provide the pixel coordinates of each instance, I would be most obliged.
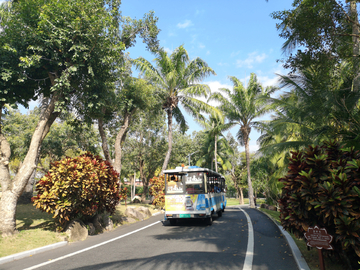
(179, 260)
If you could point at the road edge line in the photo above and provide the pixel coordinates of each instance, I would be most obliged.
(89, 248)
(250, 246)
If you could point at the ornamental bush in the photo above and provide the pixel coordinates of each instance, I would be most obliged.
(124, 194)
(78, 187)
(157, 189)
(322, 187)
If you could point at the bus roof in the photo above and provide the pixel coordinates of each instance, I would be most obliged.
(191, 169)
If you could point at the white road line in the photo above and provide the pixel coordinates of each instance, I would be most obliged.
(86, 249)
(250, 247)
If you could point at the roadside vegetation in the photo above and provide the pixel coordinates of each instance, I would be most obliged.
(70, 58)
(310, 255)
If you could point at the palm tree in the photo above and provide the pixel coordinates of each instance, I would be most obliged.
(242, 106)
(178, 82)
(214, 126)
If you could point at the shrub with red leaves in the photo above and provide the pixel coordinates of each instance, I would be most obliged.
(322, 187)
(78, 187)
(157, 189)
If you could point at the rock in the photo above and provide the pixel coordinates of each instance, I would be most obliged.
(136, 199)
(144, 210)
(272, 208)
(76, 231)
(133, 213)
(127, 219)
(97, 224)
(263, 205)
(91, 228)
(107, 223)
(147, 201)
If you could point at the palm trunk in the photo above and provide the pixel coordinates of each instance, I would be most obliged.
(104, 143)
(215, 154)
(170, 134)
(120, 139)
(12, 189)
(251, 192)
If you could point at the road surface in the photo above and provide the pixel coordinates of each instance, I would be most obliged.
(230, 243)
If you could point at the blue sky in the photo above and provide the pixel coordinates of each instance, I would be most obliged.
(235, 38)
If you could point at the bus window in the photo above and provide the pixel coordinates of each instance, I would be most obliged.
(174, 184)
(194, 183)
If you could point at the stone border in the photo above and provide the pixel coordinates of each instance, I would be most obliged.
(31, 252)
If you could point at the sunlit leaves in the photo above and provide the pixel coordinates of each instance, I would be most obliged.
(78, 188)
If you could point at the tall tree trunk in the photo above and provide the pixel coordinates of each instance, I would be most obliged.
(241, 195)
(170, 134)
(143, 179)
(245, 130)
(104, 143)
(251, 192)
(12, 189)
(120, 139)
(355, 40)
(239, 189)
(27, 194)
(215, 154)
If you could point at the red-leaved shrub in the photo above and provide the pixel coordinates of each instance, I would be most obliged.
(157, 189)
(78, 187)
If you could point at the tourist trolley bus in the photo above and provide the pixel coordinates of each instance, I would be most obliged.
(193, 192)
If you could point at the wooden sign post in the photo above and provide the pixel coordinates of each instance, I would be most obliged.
(319, 238)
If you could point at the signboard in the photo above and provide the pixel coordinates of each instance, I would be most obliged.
(319, 238)
(181, 203)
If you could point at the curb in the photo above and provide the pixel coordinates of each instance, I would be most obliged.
(300, 261)
(157, 213)
(31, 252)
(28, 253)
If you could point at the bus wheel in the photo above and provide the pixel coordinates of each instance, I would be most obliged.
(209, 221)
(172, 222)
(219, 213)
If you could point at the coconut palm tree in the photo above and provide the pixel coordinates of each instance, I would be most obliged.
(177, 79)
(215, 126)
(242, 106)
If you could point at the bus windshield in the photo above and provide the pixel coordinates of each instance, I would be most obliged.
(186, 183)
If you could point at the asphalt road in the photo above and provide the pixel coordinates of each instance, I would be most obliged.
(150, 244)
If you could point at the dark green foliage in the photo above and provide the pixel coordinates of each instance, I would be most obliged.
(322, 187)
(78, 187)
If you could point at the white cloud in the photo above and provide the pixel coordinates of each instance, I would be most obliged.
(215, 86)
(185, 24)
(252, 148)
(253, 58)
(267, 81)
(201, 46)
(208, 52)
(168, 50)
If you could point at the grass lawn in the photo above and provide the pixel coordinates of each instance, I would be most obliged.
(37, 229)
(234, 201)
(311, 256)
